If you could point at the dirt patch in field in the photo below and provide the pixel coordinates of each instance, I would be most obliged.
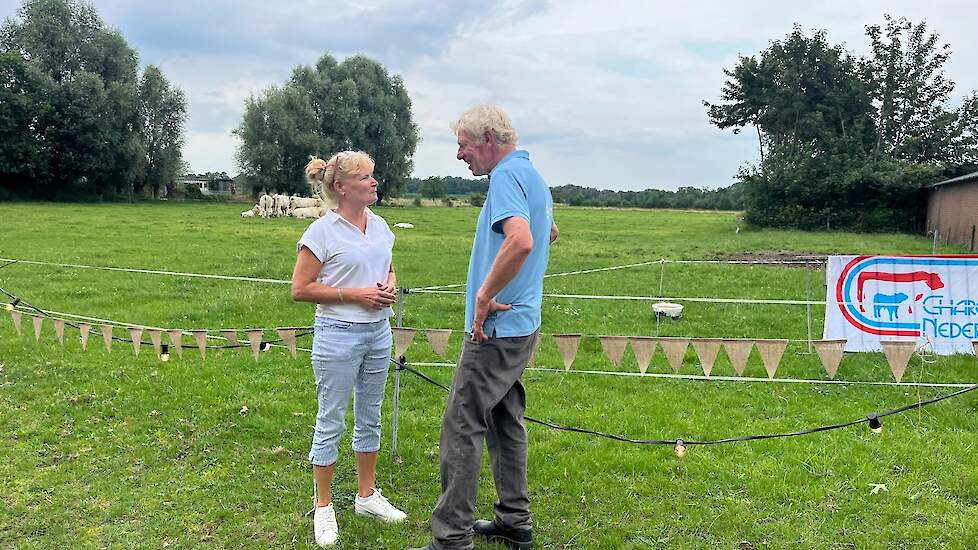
(783, 258)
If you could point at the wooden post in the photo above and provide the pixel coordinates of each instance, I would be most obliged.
(972, 238)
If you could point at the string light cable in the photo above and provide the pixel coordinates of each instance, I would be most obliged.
(872, 419)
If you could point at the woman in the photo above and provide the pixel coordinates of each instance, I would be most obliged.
(344, 266)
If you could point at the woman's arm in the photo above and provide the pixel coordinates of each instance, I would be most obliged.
(305, 288)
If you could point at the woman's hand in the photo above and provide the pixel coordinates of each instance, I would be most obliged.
(371, 298)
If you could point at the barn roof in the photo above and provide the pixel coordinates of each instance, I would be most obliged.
(967, 178)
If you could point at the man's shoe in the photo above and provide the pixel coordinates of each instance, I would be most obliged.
(428, 546)
(511, 537)
(324, 525)
(379, 507)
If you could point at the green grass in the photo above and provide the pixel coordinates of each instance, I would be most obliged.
(112, 450)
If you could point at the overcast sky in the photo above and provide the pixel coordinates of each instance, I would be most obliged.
(605, 94)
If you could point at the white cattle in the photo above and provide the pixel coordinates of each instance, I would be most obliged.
(309, 212)
(405, 225)
(281, 205)
(266, 206)
(296, 201)
(251, 213)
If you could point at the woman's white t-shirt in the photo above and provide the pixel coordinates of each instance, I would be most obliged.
(351, 259)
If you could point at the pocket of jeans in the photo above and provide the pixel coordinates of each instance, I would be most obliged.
(334, 324)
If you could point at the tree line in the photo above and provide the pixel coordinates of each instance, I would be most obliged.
(77, 119)
(727, 198)
(848, 141)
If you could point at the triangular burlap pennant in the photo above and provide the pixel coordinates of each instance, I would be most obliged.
(254, 338)
(136, 335)
(288, 338)
(231, 336)
(707, 350)
(567, 345)
(402, 340)
(438, 338)
(738, 351)
(156, 336)
(898, 355)
(830, 352)
(771, 352)
(59, 330)
(15, 316)
(643, 347)
(83, 330)
(201, 337)
(176, 340)
(675, 350)
(107, 337)
(614, 348)
(38, 323)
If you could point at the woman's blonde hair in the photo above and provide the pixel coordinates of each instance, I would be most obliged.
(323, 174)
(486, 118)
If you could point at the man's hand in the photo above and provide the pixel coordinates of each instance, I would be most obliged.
(484, 306)
(554, 233)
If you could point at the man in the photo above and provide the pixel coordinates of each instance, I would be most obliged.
(502, 320)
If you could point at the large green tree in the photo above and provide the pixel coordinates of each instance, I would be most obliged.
(74, 119)
(323, 109)
(161, 109)
(912, 96)
(846, 142)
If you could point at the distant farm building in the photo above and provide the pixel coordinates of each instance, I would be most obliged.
(952, 209)
(208, 184)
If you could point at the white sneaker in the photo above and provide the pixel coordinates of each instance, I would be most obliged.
(324, 525)
(379, 507)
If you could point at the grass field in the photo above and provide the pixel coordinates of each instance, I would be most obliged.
(112, 450)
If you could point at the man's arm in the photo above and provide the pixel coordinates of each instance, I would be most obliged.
(554, 232)
(513, 253)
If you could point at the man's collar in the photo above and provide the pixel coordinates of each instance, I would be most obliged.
(515, 154)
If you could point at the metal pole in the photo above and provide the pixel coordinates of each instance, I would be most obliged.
(808, 306)
(933, 247)
(972, 238)
(397, 374)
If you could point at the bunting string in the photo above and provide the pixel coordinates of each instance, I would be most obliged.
(771, 351)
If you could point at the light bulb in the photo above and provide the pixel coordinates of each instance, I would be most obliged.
(165, 353)
(875, 425)
(680, 448)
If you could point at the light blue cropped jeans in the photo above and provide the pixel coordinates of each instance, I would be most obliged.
(348, 359)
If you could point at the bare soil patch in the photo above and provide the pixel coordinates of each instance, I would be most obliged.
(785, 258)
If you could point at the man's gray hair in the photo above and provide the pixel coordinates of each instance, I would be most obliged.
(486, 118)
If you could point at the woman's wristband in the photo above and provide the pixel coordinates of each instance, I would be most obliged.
(339, 294)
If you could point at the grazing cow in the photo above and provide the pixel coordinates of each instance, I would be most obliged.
(281, 205)
(266, 206)
(296, 201)
(309, 212)
(889, 302)
(251, 213)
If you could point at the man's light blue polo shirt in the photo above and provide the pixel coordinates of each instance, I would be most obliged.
(515, 189)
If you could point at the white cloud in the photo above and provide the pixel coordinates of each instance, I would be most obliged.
(604, 93)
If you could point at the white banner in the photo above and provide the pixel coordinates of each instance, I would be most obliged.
(932, 300)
